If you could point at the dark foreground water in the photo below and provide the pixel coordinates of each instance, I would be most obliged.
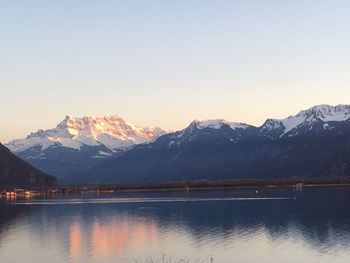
(312, 225)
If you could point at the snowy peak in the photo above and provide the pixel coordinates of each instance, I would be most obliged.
(218, 123)
(215, 124)
(195, 127)
(113, 132)
(327, 113)
(307, 119)
(99, 128)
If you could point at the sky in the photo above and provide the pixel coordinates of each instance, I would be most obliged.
(164, 63)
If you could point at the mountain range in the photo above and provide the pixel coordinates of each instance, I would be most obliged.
(313, 143)
(77, 144)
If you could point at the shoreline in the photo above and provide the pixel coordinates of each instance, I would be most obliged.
(294, 183)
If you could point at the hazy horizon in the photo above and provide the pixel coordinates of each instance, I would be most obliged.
(166, 63)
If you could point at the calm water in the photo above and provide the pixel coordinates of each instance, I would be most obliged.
(312, 225)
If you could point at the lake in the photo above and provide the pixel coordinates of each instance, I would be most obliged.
(271, 225)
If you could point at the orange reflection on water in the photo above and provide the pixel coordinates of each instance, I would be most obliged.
(75, 240)
(113, 238)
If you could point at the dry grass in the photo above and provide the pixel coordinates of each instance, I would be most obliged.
(164, 258)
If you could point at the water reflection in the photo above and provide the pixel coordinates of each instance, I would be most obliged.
(314, 227)
(76, 242)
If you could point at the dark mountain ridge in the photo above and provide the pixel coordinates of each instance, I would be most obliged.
(14, 172)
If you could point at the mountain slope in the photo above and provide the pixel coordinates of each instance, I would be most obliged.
(16, 172)
(315, 119)
(315, 142)
(77, 144)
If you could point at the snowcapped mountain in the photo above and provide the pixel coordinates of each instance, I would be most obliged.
(313, 143)
(315, 119)
(218, 123)
(202, 128)
(112, 132)
(76, 144)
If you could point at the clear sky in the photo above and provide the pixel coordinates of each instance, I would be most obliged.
(164, 63)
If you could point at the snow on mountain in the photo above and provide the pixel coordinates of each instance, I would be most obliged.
(112, 132)
(307, 118)
(217, 124)
(116, 134)
(328, 113)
